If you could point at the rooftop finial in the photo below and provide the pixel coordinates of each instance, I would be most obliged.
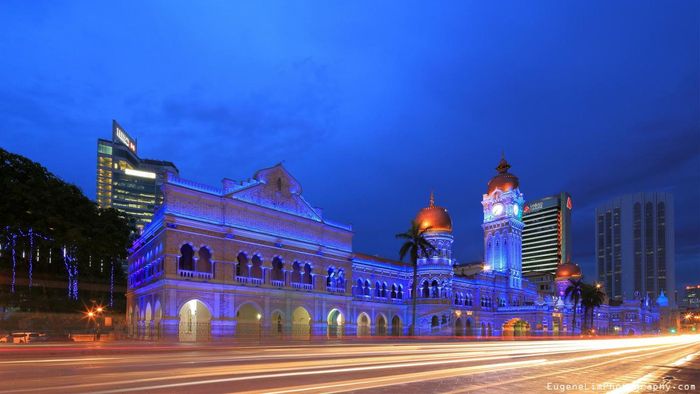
(432, 199)
(503, 165)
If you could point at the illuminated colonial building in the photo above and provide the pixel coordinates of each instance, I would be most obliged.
(254, 258)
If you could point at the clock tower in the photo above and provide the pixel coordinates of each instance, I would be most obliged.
(503, 225)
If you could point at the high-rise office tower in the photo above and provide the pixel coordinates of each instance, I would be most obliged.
(547, 234)
(126, 182)
(635, 246)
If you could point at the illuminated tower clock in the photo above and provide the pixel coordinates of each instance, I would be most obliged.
(503, 225)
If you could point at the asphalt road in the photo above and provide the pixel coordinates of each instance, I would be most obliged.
(408, 366)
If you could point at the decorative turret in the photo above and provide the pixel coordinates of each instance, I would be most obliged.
(503, 224)
(438, 224)
(662, 300)
(434, 218)
(565, 272)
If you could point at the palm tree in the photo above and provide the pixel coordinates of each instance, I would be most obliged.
(415, 245)
(573, 292)
(591, 297)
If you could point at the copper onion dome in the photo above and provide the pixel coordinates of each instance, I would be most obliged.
(568, 271)
(434, 217)
(504, 181)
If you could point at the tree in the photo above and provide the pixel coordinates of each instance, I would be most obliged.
(573, 292)
(44, 219)
(415, 245)
(591, 297)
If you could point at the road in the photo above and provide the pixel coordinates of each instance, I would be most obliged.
(407, 366)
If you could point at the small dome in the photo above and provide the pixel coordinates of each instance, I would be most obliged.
(662, 300)
(504, 181)
(434, 217)
(568, 271)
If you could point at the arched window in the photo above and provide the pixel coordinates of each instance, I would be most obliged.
(277, 269)
(434, 323)
(359, 288)
(393, 290)
(435, 289)
(330, 279)
(186, 258)
(204, 260)
(296, 272)
(377, 289)
(468, 301)
(400, 293)
(308, 277)
(340, 279)
(368, 288)
(426, 289)
(242, 265)
(256, 269)
(384, 289)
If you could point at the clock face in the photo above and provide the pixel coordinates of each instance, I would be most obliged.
(497, 209)
(516, 209)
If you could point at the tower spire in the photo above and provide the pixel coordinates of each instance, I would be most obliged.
(503, 165)
(432, 199)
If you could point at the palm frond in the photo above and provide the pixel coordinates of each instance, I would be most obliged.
(404, 249)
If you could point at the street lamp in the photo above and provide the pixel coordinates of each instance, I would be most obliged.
(93, 315)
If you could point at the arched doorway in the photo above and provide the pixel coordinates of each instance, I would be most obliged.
(381, 326)
(336, 324)
(157, 317)
(138, 329)
(363, 325)
(516, 327)
(148, 321)
(396, 326)
(469, 331)
(248, 321)
(556, 325)
(459, 327)
(435, 324)
(195, 322)
(277, 327)
(301, 323)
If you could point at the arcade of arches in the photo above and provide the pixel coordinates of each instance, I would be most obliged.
(194, 324)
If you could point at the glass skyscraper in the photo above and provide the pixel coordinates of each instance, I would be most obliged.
(547, 234)
(635, 246)
(126, 182)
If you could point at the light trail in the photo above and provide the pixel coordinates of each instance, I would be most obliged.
(339, 367)
(432, 375)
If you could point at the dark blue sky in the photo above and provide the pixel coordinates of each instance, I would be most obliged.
(373, 104)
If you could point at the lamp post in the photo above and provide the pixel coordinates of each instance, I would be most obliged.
(94, 315)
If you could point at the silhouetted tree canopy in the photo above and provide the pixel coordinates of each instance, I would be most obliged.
(59, 216)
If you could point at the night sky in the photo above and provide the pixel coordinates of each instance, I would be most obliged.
(373, 105)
